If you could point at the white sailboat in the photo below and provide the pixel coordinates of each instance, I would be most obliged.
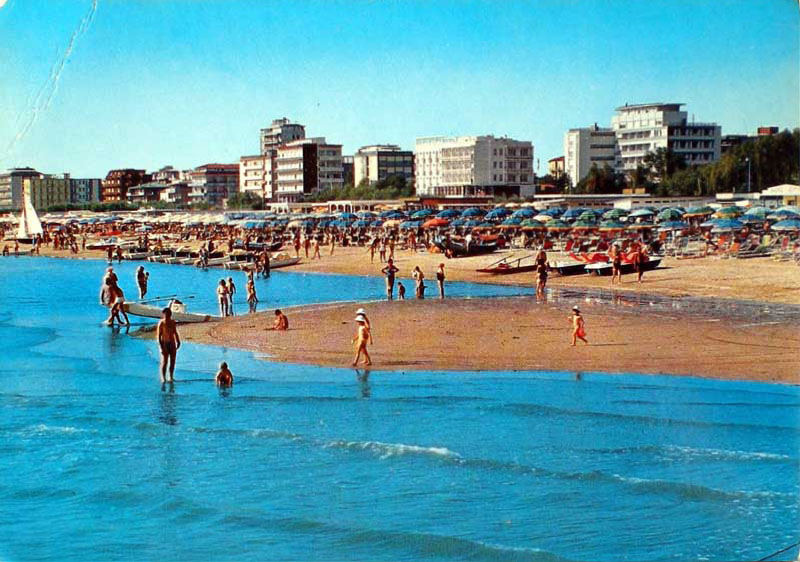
(29, 223)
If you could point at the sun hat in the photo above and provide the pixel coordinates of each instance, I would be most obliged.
(361, 318)
(575, 308)
(361, 311)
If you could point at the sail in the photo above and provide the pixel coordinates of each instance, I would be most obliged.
(29, 223)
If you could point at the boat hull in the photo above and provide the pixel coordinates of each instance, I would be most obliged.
(567, 269)
(625, 268)
(148, 311)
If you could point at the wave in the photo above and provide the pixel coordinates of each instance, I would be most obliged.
(686, 453)
(42, 429)
(388, 450)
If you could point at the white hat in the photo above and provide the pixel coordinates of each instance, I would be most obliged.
(361, 318)
(575, 308)
(361, 311)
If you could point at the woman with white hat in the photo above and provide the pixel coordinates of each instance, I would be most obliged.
(362, 312)
(362, 338)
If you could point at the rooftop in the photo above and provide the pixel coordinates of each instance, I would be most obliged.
(655, 105)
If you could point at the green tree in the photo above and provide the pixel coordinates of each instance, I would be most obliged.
(662, 163)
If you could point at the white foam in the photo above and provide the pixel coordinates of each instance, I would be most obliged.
(387, 450)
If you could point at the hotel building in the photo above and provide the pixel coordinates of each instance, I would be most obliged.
(11, 185)
(115, 186)
(379, 162)
(587, 147)
(212, 183)
(480, 166)
(305, 166)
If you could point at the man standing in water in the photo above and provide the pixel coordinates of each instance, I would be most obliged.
(168, 343)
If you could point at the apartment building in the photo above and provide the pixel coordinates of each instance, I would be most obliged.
(280, 132)
(11, 186)
(305, 166)
(149, 192)
(476, 166)
(586, 147)
(115, 186)
(644, 128)
(379, 162)
(556, 167)
(213, 183)
(48, 190)
(84, 191)
(256, 175)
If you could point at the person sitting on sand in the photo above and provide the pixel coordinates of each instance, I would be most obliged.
(281, 321)
(224, 376)
(169, 342)
(578, 326)
(362, 338)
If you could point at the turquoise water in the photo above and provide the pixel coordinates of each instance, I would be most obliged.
(100, 463)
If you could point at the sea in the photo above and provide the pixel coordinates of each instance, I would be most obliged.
(99, 461)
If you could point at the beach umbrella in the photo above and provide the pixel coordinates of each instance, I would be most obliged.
(486, 225)
(668, 226)
(348, 216)
(458, 222)
(614, 214)
(641, 226)
(511, 222)
(498, 214)
(787, 225)
(572, 214)
(557, 225)
(407, 225)
(728, 212)
(472, 212)
(670, 215)
(361, 223)
(391, 223)
(524, 213)
(588, 216)
(366, 215)
(422, 213)
(553, 212)
(541, 217)
(144, 229)
(583, 225)
(756, 212)
(472, 223)
(612, 225)
(784, 213)
(435, 223)
(727, 225)
(701, 211)
(391, 214)
(448, 214)
(643, 212)
(531, 224)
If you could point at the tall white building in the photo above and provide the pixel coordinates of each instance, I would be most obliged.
(379, 162)
(305, 166)
(587, 147)
(280, 132)
(480, 166)
(644, 128)
(256, 175)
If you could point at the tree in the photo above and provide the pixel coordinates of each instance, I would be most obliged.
(662, 163)
(601, 180)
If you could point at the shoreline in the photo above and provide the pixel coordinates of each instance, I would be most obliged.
(525, 335)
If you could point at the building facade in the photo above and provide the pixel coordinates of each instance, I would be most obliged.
(84, 191)
(280, 132)
(477, 166)
(586, 147)
(176, 193)
(11, 186)
(149, 192)
(379, 162)
(645, 128)
(556, 167)
(213, 183)
(115, 186)
(255, 175)
(48, 190)
(306, 166)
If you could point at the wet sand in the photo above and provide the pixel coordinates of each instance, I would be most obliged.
(520, 334)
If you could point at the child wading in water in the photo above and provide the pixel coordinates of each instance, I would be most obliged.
(578, 327)
(362, 338)
(224, 376)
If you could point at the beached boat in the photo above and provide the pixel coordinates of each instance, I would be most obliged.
(509, 265)
(239, 260)
(182, 317)
(566, 268)
(111, 242)
(29, 224)
(159, 256)
(282, 260)
(459, 248)
(136, 254)
(259, 246)
(625, 267)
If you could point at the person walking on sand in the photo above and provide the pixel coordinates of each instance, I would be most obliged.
(362, 312)
(224, 376)
(362, 338)
(419, 282)
(440, 279)
(169, 342)
(141, 280)
(389, 271)
(616, 263)
(222, 298)
(231, 292)
(578, 327)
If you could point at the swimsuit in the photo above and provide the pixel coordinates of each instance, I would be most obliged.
(169, 347)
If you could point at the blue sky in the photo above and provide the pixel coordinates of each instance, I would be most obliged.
(185, 82)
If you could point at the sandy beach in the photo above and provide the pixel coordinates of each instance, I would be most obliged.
(519, 334)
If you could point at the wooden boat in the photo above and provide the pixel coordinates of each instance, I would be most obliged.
(625, 267)
(459, 248)
(509, 265)
(150, 311)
